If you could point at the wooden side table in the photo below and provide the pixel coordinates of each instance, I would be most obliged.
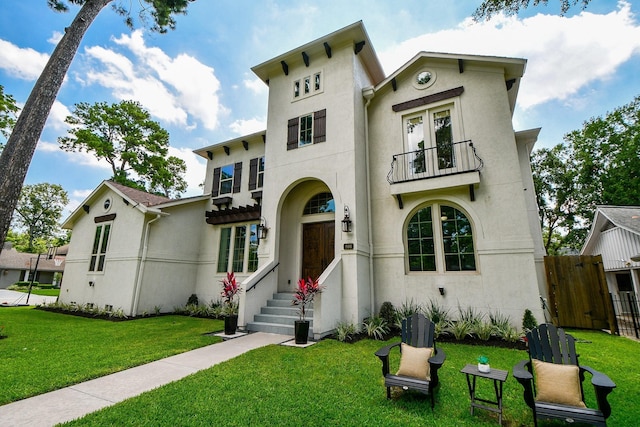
(498, 376)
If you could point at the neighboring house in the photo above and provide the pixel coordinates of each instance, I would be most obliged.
(407, 187)
(615, 235)
(19, 266)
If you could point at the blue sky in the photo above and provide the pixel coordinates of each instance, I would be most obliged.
(197, 80)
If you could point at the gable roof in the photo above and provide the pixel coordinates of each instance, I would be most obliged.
(514, 68)
(11, 259)
(138, 196)
(354, 33)
(140, 200)
(606, 217)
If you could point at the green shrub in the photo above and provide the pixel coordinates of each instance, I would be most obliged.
(388, 312)
(345, 331)
(483, 330)
(528, 321)
(461, 328)
(436, 313)
(193, 300)
(499, 320)
(407, 309)
(376, 327)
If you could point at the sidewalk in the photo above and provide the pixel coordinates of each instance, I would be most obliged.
(13, 298)
(78, 400)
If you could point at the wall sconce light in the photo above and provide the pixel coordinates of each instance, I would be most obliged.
(442, 292)
(92, 283)
(262, 228)
(346, 222)
(86, 208)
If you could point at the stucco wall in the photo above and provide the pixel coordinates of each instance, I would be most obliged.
(505, 278)
(113, 286)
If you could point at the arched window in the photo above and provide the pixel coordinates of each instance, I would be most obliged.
(320, 203)
(440, 242)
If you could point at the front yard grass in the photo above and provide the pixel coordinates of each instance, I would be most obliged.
(45, 351)
(337, 384)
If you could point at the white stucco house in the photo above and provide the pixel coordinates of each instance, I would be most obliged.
(615, 235)
(400, 187)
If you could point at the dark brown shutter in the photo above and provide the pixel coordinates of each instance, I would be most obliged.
(320, 126)
(253, 174)
(215, 190)
(237, 177)
(292, 136)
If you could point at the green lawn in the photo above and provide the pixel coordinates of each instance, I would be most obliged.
(327, 384)
(43, 292)
(45, 351)
(337, 384)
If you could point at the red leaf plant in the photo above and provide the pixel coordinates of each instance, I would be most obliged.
(230, 289)
(305, 293)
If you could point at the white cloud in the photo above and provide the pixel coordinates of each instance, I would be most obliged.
(255, 85)
(80, 157)
(246, 127)
(563, 54)
(55, 38)
(175, 90)
(25, 64)
(58, 113)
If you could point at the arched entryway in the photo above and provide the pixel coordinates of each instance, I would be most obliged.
(307, 241)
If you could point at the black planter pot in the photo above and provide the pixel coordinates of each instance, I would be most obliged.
(301, 331)
(230, 324)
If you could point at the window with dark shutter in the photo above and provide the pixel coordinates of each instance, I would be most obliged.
(237, 175)
(292, 135)
(253, 174)
(215, 188)
(320, 126)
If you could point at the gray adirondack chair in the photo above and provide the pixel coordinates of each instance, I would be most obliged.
(550, 344)
(417, 331)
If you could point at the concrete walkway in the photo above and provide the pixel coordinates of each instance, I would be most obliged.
(78, 400)
(13, 298)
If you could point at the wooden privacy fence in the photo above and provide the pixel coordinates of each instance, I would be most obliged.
(578, 293)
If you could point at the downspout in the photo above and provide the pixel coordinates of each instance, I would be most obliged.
(368, 94)
(145, 247)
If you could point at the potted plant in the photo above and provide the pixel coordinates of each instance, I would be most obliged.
(483, 364)
(230, 289)
(305, 293)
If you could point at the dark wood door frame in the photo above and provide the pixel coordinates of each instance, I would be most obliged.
(318, 247)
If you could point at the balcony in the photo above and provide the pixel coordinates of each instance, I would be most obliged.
(446, 166)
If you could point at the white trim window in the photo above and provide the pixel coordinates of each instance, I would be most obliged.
(439, 242)
(238, 249)
(308, 86)
(430, 137)
(100, 246)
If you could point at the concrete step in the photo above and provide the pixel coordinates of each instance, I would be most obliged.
(279, 315)
(283, 311)
(277, 319)
(274, 328)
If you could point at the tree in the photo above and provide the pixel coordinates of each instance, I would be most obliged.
(598, 165)
(555, 194)
(17, 154)
(489, 8)
(39, 211)
(607, 156)
(124, 135)
(8, 110)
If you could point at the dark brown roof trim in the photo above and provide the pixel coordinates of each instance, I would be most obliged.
(451, 93)
(104, 218)
(239, 214)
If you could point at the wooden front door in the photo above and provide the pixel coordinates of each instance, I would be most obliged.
(318, 240)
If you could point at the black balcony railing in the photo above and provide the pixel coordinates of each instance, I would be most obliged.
(443, 160)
